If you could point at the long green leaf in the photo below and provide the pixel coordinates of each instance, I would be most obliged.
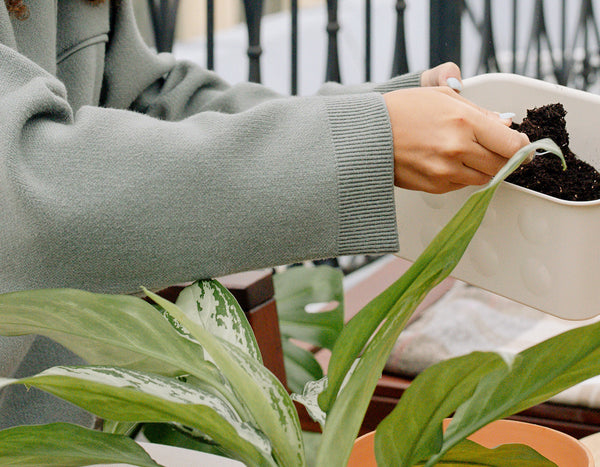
(358, 331)
(214, 308)
(402, 297)
(535, 375)
(301, 366)
(437, 260)
(470, 454)
(434, 264)
(413, 431)
(65, 445)
(130, 395)
(265, 397)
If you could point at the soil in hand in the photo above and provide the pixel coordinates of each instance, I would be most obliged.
(544, 174)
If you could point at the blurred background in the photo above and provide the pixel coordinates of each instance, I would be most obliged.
(556, 40)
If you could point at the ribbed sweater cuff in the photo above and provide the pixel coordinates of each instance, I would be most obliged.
(410, 80)
(362, 139)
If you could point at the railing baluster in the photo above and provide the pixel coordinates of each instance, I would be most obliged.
(163, 14)
(210, 34)
(563, 32)
(586, 20)
(487, 59)
(514, 36)
(539, 34)
(367, 40)
(333, 62)
(254, 10)
(400, 63)
(294, 44)
(445, 31)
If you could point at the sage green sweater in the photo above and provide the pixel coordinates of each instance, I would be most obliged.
(120, 167)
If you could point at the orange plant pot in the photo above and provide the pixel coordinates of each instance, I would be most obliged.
(560, 448)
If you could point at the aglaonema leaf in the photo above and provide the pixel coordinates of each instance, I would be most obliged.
(115, 330)
(470, 454)
(346, 407)
(64, 445)
(103, 329)
(308, 398)
(214, 308)
(264, 396)
(129, 395)
(534, 376)
(413, 431)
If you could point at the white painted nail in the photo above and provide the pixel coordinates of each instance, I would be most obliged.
(454, 84)
(506, 115)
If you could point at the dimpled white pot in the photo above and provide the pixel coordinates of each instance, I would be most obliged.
(535, 249)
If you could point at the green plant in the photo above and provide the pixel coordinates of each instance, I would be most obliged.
(296, 289)
(196, 364)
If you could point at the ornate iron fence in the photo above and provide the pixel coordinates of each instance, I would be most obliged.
(549, 39)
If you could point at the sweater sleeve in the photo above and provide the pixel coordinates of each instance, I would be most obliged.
(179, 176)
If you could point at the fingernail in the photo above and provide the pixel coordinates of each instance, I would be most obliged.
(454, 84)
(506, 115)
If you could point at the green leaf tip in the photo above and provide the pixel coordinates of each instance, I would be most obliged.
(546, 145)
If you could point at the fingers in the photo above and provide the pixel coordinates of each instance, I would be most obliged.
(490, 133)
(446, 74)
(483, 161)
(505, 118)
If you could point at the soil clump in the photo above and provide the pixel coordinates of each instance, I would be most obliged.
(544, 174)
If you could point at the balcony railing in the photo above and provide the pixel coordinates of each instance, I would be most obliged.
(556, 40)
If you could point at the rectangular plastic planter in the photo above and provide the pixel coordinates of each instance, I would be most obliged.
(535, 249)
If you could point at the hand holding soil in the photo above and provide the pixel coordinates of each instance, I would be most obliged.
(443, 142)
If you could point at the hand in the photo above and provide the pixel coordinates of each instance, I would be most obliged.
(443, 142)
(446, 74)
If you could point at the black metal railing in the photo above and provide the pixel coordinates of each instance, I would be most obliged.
(565, 50)
(569, 55)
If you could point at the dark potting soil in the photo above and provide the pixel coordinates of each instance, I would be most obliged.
(544, 174)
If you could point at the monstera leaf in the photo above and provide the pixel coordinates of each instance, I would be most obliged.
(310, 304)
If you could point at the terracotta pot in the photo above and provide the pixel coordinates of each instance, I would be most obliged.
(562, 449)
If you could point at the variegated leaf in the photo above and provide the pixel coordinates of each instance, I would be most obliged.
(309, 399)
(272, 408)
(103, 329)
(129, 395)
(213, 307)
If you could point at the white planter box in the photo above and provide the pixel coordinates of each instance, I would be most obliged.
(532, 248)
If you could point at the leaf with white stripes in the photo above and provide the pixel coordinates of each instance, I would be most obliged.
(213, 307)
(104, 329)
(129, 395)
(262, 393)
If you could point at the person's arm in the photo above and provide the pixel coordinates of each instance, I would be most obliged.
(211, 180)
